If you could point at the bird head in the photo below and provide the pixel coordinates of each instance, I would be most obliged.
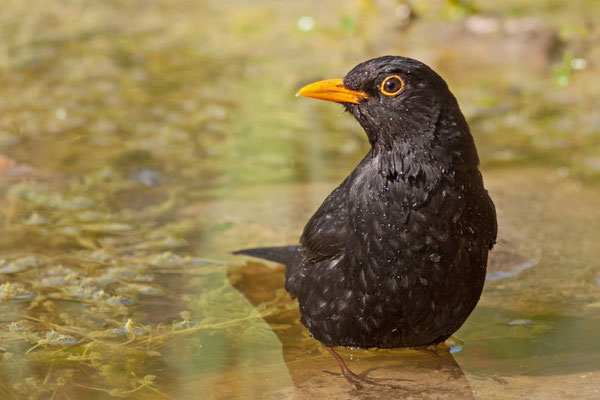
(407, 111)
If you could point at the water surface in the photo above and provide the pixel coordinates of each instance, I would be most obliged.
(143, 142)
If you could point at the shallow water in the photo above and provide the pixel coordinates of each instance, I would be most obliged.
(143, 142)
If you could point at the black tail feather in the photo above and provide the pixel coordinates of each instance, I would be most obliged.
(288, 255)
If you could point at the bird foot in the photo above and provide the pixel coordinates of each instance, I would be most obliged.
(355, 380)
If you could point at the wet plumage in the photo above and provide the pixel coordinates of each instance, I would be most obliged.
(396, 255)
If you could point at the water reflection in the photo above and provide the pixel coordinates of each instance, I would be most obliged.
(315, 373)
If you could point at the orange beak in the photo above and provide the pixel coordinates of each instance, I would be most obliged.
(332, 90)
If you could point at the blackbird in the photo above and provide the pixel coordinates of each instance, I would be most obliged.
(396, 255)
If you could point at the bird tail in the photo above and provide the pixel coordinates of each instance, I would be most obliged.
(288, 255)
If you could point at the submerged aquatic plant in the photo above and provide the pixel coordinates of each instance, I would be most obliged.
(79, 313)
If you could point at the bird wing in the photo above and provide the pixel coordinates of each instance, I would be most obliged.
(328, 231)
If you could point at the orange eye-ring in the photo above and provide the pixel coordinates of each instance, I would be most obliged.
(392, 85)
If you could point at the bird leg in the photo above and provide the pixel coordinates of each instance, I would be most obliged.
(352, 378)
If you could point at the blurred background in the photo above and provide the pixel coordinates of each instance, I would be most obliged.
(143, 141)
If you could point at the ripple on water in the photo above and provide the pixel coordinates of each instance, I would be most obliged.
(19, 264)
(494, 276)
(145, 290)
(505, 263)
(519, 322)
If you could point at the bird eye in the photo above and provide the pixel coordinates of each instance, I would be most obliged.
(392, 85)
